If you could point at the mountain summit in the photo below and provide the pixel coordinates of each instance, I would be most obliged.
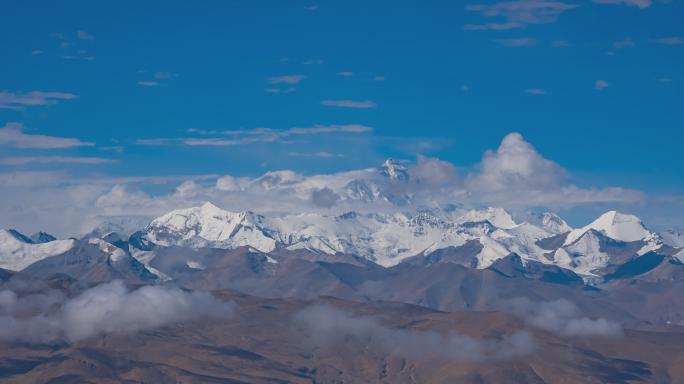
(392, 169)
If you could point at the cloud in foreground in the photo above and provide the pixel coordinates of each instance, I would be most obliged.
(328, 327)
(110, 308)
(350, 103)
(561, 317)
(12, 134)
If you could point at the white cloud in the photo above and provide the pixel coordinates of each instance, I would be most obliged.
(162, 75)
(271, 90)
(515, 165)
(83, 35)
(345, 73)
(600, 84)
(515, 177)
(560, 43)
(294, 79)
(111, 308)
(36, 52)
(311, 8)
(665, 80)
(66, 44)
(639, 3)
(326, 326)
(519, 14)
(350, 103)
(148, 83)
(522, 42)
(289, 90)
(11, 134)
(54, 159)
(667, 40)
(379, 78)
(31, 179)
(21, 100)
(465, 87)
(318, 62)
(562, 317)
(319, 154)
(536, 91)
(622, 44)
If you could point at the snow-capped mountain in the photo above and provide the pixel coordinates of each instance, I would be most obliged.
(42, 237)
(672, 238)
(389, 239)
(385, 239)
(18, 251)
(615, 225)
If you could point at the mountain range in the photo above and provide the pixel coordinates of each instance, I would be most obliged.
(480, 270)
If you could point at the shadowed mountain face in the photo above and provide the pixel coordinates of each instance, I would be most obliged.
(93, 263)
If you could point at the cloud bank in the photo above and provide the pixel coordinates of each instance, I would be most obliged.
(327, 327)
(561, 317)
(108, 307)
(514, 176)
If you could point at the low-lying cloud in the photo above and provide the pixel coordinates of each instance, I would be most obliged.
(327, 327)
(561, 317)
(108, 307)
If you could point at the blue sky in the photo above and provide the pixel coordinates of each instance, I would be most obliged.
(595, 86)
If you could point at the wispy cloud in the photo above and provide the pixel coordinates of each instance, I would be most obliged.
(560, 43)
(294, 79)
(162, 75)
(536, 91)
(622, 44)
(20, 100)
(54, 159)
(36, 52)
(379, 78)
(255, 135)
(519, 14)
(66, 44)
(12, 135)
(311, 8)
(350, 103)
(57, 35)
(665, 80)
(318, 62)
(319, 154)
(148, 83)
(639, 3)
(271, 90)
(667, 40)
(600, 84)
(522, 42)
(345, 73)
(83, 35)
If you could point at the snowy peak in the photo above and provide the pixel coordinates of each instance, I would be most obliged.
(615, 225)
(549, 221)
(672, 238)
(6, 233)
(392, 169)
(42, 237)
(497, 216)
